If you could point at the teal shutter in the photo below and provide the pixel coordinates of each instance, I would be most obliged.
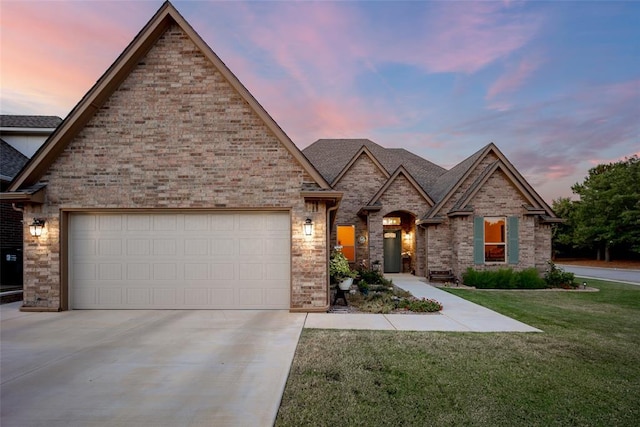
(478, 240)
(513, 249)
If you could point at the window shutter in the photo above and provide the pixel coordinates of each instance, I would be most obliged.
(513, 249)
(478, 240)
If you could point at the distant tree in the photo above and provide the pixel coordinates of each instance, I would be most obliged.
(608, 213)
(564, 240)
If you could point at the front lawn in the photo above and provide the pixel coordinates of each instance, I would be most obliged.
(583, 370)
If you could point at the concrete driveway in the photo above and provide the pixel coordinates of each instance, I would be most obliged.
(144, 368)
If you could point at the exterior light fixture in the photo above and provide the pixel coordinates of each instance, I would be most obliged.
(36, 227)
(584, 285)
(308, 227)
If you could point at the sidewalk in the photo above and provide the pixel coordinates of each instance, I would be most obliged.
(457, 315)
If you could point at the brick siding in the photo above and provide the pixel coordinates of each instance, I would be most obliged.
(450, 245)
(175, 134)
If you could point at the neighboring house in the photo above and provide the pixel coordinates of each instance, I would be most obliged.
(21, 137)
(169, 186)
(27, 133)
(410, 215)
(11, 161)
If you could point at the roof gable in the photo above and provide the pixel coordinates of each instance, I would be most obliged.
(451, 181)
(166, 16)
(363, 151)
(401, 171)
(333, 157)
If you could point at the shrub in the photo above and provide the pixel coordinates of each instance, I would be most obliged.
(505, 278)
(373, 277)
(556, 277)
(528, 279)
(422, 305)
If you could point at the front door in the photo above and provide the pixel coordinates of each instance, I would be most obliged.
(392, 251)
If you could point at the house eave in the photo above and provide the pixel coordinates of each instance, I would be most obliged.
(35, 195)
(334, 196)
(430, 221)
(545, 219)
(459, 213)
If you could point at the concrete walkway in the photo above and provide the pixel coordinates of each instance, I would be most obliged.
(458, 314)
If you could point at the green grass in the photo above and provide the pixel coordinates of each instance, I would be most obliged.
(584, 370)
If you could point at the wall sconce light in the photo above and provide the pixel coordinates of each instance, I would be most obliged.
(407, 236)
(36, 227)
(308, 227)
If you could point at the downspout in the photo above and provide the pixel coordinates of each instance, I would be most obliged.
(17, 209)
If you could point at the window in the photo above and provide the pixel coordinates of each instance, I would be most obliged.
(496, 240)
(392, 220)
(347, 239)
(495, 243)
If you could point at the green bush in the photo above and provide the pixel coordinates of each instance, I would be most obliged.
(504, 278)
(558, 278)
(528, 279)
(373, 277)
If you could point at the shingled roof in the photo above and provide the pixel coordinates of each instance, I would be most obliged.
(11, 161)
(47, 122)
(331, 156)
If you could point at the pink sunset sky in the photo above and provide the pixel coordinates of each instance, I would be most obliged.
(556, 85)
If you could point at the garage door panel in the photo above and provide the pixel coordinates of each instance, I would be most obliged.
(138, 297)
(165, 271)
(109, 247)
(110, 296)
(169, 261)
(196, 247)
(165, 247)
(223, 271)
(138, 222)
(277, 272)
(110, 223)
(110, 272)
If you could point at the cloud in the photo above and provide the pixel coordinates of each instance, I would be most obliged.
(67, 47)
(465, 37)
(513, 78)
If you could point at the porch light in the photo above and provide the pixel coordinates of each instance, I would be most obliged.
(36, 227)
(308, 227)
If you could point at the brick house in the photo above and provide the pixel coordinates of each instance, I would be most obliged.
(169, 186)
(410, 215)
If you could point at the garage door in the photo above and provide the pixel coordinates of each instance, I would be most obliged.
(179, 261)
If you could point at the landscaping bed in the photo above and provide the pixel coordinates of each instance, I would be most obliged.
(372, 293)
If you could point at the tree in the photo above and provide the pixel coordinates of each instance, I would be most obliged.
(564, 233)
(608, 213)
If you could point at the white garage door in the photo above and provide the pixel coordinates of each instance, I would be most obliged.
(180, 261)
